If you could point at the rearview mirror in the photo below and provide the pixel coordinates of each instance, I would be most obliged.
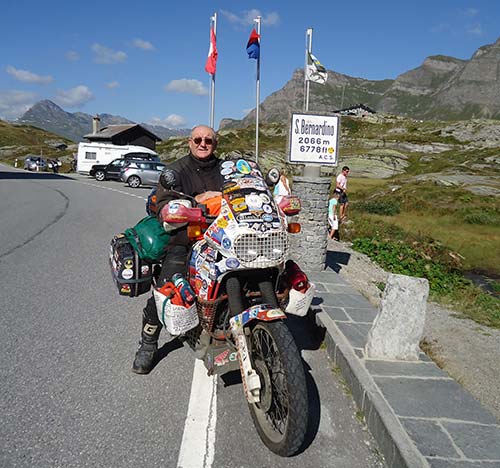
(272, 176)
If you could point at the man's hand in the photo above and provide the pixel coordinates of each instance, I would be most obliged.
(202, 197)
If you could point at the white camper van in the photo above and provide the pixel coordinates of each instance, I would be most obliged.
(103, 153)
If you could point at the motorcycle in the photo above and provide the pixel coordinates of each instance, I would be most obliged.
(241, 277)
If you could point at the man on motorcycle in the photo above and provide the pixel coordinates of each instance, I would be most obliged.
(198, 175)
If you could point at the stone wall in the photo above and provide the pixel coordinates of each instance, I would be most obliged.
(308, 248)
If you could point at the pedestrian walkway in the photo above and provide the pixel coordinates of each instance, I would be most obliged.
(419, 415)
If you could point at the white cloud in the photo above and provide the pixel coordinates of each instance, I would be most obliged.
(172, 121)
(74, 97)
(15, 103)
(470, 12)
(142, 44)
(106, 55)
(112, 84)
(72, 56)
(27, 76)
(247, 17)
(475, 29)
(186, 85)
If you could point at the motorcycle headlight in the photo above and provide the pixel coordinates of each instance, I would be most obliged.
(246, 248)
(277, 247)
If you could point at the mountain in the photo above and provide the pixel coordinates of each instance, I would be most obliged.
(442, 88)
(49, 116)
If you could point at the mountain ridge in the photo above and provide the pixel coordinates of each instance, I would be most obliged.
(441, 88)
(47, 115)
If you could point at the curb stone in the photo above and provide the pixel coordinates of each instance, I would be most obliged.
(385, 427)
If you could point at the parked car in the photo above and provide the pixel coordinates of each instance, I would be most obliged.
(102, 153)
(112, 170)
(137, 173)
(35, 163)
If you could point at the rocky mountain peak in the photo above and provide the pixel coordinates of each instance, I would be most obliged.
(49, 116)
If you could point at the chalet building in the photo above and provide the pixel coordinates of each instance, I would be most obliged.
(358, 110)
(131, 134)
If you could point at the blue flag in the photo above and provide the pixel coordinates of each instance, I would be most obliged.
(253, 45)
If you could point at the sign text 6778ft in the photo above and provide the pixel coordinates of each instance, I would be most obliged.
(314, 139)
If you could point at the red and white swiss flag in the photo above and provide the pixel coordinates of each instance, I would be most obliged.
(211, 63)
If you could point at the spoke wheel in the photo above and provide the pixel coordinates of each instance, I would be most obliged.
(134, 181)
(281, 416)
(100, 176)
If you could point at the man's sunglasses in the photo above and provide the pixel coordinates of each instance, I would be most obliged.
(198, 140)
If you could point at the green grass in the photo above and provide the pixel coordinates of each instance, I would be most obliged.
(25, 139)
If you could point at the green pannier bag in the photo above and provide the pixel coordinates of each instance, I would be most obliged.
(148, 239)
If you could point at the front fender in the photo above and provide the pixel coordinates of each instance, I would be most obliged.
(264, 312)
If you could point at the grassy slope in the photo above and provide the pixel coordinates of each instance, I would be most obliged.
(25, 139)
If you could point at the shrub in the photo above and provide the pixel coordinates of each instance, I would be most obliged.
(381, 207)
(481, 218)
(428, 260)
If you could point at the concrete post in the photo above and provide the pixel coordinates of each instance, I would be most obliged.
(398, 327)
(308, 248)
(15, 162)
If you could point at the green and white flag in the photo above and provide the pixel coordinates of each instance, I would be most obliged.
(315, 72)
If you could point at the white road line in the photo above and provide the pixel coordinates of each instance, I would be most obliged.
(198, 440)
(113, 190)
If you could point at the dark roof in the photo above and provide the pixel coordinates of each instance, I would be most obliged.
(107, 133)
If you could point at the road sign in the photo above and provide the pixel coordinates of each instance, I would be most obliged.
(314, 139)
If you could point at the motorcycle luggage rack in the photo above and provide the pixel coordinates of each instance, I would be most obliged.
(206, 311)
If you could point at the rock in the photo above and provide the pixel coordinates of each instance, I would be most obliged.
(375, 165)
(398, 327)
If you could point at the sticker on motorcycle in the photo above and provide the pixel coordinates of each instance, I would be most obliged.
(227, 164)
(226, 171)
(253, 201)
(243, 166)
(267, 208)
(249, 217)
(222, 222)
(265, 198)
(222, 358)
(127, 274)
(239, 204)
(232, 263)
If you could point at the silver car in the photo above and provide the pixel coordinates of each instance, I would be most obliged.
(137, 173)
(35, 163)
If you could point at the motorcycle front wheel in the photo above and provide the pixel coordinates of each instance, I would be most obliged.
(281, 416)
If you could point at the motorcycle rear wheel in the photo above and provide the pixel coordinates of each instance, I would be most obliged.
(281, 416)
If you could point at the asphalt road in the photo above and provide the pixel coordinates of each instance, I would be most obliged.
(67, 395)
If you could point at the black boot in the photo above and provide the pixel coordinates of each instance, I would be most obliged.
(148, 345)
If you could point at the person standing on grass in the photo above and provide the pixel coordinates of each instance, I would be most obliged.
(341, 189)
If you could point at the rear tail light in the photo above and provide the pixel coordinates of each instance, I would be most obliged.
(293, 228)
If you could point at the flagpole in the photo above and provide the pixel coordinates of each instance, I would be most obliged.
(213, 20)
(310, 170)
(257, 97)
(306, 81)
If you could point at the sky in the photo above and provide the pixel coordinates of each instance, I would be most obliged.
(145, 60)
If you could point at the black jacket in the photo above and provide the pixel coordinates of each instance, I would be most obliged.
(194, 176)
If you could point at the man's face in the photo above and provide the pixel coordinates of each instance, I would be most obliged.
(346, 172)
(202, 142)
